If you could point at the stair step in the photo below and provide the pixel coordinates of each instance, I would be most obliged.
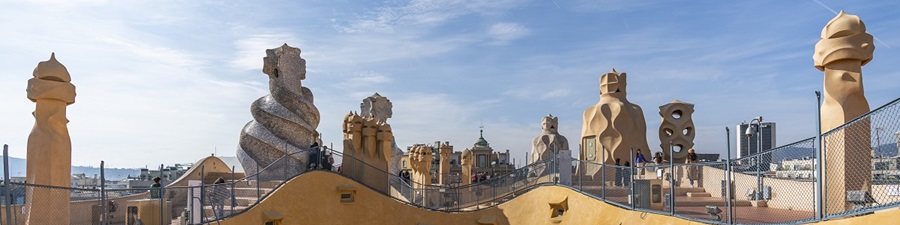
(698, 194)
(250, 192)
(208, 210)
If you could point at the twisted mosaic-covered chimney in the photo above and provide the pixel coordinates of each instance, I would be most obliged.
(284, 122)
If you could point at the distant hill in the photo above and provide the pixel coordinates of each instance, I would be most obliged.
(17, 169)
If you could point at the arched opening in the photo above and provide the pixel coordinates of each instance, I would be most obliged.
(676, 114)
(677, 148)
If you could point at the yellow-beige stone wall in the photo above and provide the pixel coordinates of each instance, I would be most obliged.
(314, 199)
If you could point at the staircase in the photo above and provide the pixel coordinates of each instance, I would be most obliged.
(684, 196)
(245, 195)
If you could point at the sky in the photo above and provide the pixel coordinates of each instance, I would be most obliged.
(163, 82)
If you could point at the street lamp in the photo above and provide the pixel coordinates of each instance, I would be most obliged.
(749, 132)
(877, 142)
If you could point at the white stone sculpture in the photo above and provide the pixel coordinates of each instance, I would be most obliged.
(284, 122)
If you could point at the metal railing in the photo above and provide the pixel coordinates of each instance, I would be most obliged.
(781, 183)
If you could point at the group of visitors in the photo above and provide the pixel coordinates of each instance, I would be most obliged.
(478, 177)
(623, 177)
(320, 157)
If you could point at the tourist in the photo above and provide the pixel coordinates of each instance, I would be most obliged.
(155, 188)
(327, 160)
(640, 162)
(658, 160)
(626, 180)
(218, 196)
(619, 175)
(692, 173)
(314, 154)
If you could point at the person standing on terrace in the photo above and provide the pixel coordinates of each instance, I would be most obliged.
(640, 161)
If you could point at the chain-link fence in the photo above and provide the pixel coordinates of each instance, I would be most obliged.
(453, 196)
(862, 166)
(778, 183)
(774, 186)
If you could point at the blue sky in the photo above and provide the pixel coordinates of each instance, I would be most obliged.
(172, 81)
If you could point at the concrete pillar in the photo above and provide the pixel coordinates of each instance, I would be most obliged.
(368, 145)
(445, 150)
(844, 48)
(466, 161)
(49, 147)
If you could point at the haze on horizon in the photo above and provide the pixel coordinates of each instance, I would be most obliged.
(171, 82)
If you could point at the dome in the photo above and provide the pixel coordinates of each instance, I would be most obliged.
(481, 141)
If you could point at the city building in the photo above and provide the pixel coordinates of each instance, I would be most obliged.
(487, 161)
(885, 170)
(167, 174)
(81, 180)
(747, 145)
(455, 167)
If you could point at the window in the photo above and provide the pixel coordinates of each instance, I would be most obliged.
(590, 149)
(347, 197)
(482, 161)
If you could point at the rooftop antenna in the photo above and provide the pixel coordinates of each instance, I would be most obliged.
(481, 127)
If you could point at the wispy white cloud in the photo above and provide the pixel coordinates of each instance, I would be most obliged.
(427, 13)
(152, 52)
(251, 49)
(362, 79)
(503, 33)
(558, 93)
(609, 5)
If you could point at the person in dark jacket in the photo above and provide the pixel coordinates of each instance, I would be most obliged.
(619, 171)
(218, 196)
(626, 179)
(155, 188)
(327, 160)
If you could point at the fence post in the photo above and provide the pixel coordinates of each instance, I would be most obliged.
(231, 199)
(162, 198)
(103, 205)
(820, 165)
(257, 182)
(191, 200)
(602, 172)
(202, 193)
(7, 196)
(631, 178)
(728, 190)
(672, 179)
